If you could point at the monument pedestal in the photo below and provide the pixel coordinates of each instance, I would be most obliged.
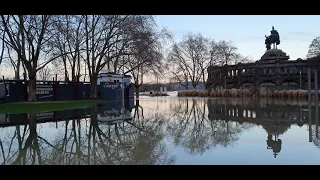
(273, 55)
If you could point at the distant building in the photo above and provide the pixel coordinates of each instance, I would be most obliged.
(179, 87)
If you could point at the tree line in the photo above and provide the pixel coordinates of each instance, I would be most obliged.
(189, 59)
(77, 43)
(83, 46)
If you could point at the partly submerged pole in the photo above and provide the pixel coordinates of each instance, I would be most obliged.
(309, 104)
(316, 100)
(316, 86)
(300, 80)
(309, 87)
(123, 85)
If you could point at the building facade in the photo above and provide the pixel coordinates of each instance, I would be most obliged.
(274, 71)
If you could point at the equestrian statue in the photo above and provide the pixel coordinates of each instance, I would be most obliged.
(273, 39)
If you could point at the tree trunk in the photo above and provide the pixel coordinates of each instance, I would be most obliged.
(203, 77)
(93, 81)
(32, 89)
(194, 86)
(66, 78)
(17, 75)
(186, 86)
(34, 138)
(137, 91)
(73, 72)
(32, 123)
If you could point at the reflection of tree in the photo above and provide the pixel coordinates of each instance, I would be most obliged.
(28, 151)
(227, 132)
(182, 116)
(147, 145)
(31, 144)
(195, 132)
(136, 142)
(198, 136)
(137, 110)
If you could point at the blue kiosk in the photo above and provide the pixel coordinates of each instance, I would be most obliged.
(114, 87)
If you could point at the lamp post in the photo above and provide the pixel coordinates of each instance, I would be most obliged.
(123, 84)
(300, 81)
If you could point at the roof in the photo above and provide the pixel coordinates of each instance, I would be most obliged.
(113, 75)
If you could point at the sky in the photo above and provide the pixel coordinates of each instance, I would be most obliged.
(247, 32)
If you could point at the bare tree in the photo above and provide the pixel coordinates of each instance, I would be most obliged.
(314, 48)
(28, 36)
(223, 53)
(147, 58)
(8, 56)
(189, 59)
(69, 39)
(111, 39)
(44, 73)
(180, 75)
(203, 58)
(243, 59)
(10, 59)
(2, 34)
(102, 35)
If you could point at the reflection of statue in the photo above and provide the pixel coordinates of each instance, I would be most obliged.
(275, 145)
(274, 38)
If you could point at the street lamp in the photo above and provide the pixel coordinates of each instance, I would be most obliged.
(123, 82)
(300, 81)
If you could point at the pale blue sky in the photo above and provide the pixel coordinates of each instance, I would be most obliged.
(247, 32)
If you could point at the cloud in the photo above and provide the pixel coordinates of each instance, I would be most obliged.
(287, 36)
(252, 38)
(298, 36)
(305, 34)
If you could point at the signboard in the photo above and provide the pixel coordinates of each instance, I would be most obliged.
(40, 116)
(110, 109)
(44, 92)
(111, 91)
(113, 111)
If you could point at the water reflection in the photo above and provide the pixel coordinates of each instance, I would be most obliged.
(274, 116)
(109, 137)
(163, 131)
(274, 143)
(196, 132)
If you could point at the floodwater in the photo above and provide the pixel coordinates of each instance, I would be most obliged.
(165, 131)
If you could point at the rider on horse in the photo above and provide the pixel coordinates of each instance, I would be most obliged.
(274, 39)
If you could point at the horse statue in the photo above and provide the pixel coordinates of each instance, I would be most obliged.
(273, 39)
(268, 42)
